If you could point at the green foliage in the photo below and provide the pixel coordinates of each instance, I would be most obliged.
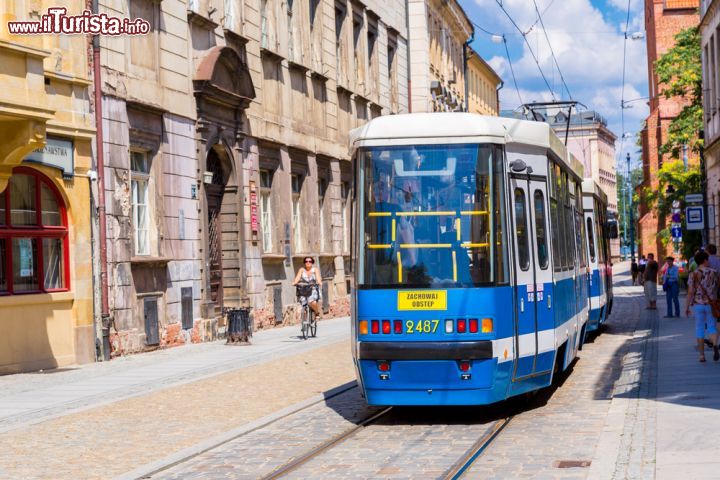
(679, 72)
(683, 182)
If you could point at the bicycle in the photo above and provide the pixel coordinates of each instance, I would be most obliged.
(308, 322)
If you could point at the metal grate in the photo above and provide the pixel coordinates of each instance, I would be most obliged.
(572, 463)
(186, 297)
(277, 303)
(152, 332)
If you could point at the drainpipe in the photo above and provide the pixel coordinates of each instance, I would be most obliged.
(105, 311)
(407, 56)
(466, 57)
(498, 87)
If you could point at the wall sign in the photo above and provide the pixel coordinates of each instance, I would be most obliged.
(57, 153)
(253, 211)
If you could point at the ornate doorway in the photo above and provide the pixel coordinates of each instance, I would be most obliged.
(214, 192)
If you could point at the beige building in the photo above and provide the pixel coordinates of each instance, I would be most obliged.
(227, 160)
(439, 31)
(483, 84)
(46, 290)
(710, 41)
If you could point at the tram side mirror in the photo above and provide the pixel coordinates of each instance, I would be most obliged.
(518, 166)
(613, 230)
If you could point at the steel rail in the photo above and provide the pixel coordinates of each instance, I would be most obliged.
(325, 446)
(459, 468)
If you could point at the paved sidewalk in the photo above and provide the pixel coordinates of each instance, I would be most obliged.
(665, 410)
(34, 397)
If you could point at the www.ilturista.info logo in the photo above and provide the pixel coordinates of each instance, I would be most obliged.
(58, 21)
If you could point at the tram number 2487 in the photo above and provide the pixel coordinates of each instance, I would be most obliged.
(421, 326)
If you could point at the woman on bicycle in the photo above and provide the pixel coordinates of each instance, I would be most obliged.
(311, 275)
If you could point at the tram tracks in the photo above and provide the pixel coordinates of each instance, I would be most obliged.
(455, 471)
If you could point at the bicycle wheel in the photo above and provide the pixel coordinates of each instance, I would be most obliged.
(304, 323)
(312, 324)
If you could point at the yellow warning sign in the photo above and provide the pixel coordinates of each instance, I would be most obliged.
(422, 300)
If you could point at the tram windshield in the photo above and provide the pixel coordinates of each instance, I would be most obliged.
(431, 216)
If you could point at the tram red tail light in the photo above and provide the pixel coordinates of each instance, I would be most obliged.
(397, 326)
(473, 325)
(461, 325)
(383, 366)
(386, 326)
(375, 326)
(464, 366)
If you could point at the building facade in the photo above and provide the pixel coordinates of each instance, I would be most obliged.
(438, 31)
(710, 38)
(590, 140)
(46, 271)
(483, 85)
(317, 76)
(663, 20)
(225, 145)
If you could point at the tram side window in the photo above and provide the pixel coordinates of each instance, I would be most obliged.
(540, 231)
(564, 227)
(591, 239)
(521, 227)
(582, 237)
(500, 249)
(554, 217)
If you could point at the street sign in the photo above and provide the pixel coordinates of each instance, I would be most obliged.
(694, 218)
(676, 232)
(676, 203)
(676, 217)
(694, 198)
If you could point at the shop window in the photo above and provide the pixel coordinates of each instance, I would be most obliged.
(140, 174)
(33, 235)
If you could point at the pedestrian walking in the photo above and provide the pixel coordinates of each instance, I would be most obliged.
(634, 271)
(649, 277)
(702, 285)
(671, 286)
(642, 265)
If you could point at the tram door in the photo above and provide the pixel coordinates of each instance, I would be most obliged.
(533, 287)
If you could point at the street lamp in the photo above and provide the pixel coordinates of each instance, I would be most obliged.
(631, 214)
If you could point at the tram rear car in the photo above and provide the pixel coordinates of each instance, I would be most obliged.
(469, 258)
(599, 232)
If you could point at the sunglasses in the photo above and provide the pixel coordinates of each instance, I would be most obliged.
(308, 261)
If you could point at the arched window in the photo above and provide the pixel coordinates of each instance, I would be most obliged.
(33, 236)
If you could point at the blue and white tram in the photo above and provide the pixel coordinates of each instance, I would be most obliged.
(469, 258)
(598, 251)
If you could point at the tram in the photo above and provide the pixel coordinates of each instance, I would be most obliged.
(599, 230)
(469, 258)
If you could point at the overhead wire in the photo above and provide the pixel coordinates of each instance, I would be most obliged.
(552, 52)
(524, 35)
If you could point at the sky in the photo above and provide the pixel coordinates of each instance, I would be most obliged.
(587, 38)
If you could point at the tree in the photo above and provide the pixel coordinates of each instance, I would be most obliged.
(683, 181)
(679, 72)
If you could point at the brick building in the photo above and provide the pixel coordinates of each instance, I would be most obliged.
(663, 20)
(710, 38)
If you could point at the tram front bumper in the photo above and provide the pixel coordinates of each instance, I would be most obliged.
(475, 350)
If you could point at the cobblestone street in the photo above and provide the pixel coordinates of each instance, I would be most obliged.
(633, 406)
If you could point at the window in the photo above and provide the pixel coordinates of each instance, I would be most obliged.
(340, 50)
(144, 48)
(266, 209)
(555, 217)
(392, 71)
(322, 189)
(140, 175)
(591, 239)
(296, 182)
(358, 54)
(33, 235)
(540, 231)
(291, 31)
(373, 62)
(521, 226)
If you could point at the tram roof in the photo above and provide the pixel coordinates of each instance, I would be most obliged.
(591, 187)
(458, 126)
